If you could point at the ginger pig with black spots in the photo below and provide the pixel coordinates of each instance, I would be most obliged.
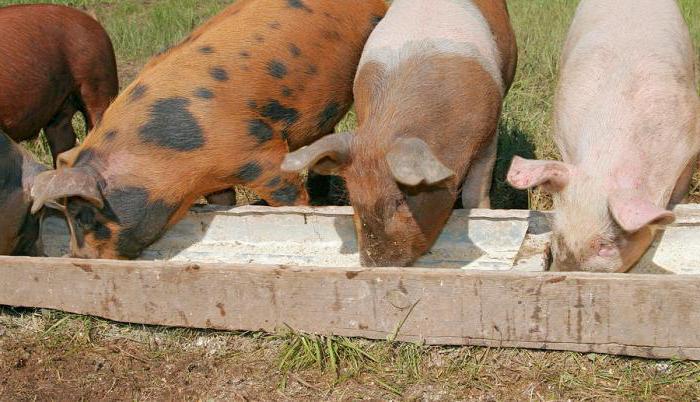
(222, 108)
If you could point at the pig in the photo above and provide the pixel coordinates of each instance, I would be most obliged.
(19, 230)
(220, 109)
(428, 96)
(627, 123)
(54, 61)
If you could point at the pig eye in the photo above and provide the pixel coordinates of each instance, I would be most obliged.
(607, 250)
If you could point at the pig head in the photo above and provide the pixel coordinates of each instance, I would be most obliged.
(596, 228)
(19, 230)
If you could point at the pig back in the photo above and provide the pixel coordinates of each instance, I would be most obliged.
(626, 95)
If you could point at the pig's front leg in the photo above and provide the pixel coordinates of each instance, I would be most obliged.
(477, 185)
(680, 192)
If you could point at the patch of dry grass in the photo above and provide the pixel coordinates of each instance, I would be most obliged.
(47, 354)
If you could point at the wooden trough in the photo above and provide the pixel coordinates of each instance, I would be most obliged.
(255, 268)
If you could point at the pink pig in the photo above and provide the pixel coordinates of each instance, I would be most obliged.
(627, 123)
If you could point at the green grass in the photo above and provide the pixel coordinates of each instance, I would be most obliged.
(140, 29)
(335, 367)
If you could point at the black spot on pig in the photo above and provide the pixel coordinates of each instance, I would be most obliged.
(299, 4)
(85, 157)
(219, 74)
(102, 232)
(286, 92)
(294, 50)
(204, 93)
(260, 130)
(252, 104)
(110, 135)
(276, 69)
(274, 25)
(276, 112)
(27, 242)
(206, 50)
(259, 38)
(275, 182)
(311, 69)
(137, 92)
(173, 126)
(287, 194)
(249, 172)
(142, 221)
(244, 54)
(328, 117)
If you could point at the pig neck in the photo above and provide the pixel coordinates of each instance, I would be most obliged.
(413, 100)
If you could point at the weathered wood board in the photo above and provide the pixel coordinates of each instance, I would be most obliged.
(653, 316)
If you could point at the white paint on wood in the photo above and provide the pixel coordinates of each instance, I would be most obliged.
(476, 239)
(316, 237)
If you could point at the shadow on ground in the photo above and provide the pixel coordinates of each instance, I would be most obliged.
(511, 141)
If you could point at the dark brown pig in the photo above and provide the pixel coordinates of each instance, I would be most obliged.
(54, 61)
(19, 229)
(428, 96)
(223, 108)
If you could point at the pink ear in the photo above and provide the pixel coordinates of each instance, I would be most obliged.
(526, 173)
(633, 213)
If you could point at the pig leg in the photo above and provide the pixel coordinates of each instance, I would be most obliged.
(96, 99)
(59, 132)
(680, 192)
(477, 185)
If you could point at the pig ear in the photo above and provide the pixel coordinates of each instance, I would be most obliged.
(633, 213)
(55, 185)
(324, 156)
(412, 162)
(553, 176)
(67, 159)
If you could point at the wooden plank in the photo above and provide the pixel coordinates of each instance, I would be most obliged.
(653, 316)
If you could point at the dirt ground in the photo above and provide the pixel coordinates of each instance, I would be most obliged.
(46, 355)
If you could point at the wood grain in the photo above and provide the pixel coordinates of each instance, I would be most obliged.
(653, 316)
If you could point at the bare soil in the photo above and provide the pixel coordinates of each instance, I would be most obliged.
(46, 355)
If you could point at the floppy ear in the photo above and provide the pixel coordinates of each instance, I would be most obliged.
(55, 185)
(633, 213)
(553, 176)
(412, 162)
(325, 156)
